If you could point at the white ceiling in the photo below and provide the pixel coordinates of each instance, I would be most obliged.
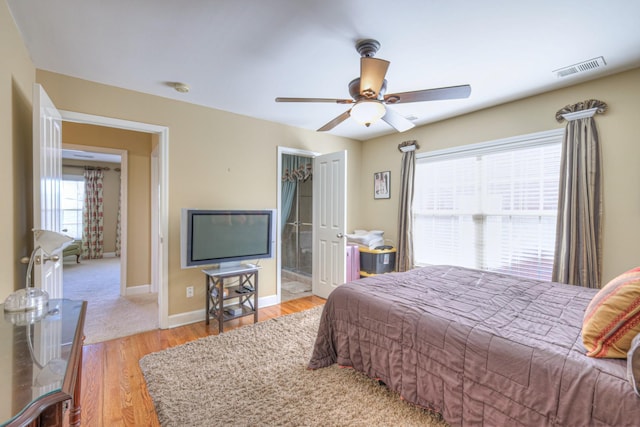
(238, 56)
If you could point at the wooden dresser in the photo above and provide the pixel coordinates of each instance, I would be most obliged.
(41, 365)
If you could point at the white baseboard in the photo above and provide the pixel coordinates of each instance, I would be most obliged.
(109, 255)
(268, 301)
(187, 318)
(137, 290)
(198, 315)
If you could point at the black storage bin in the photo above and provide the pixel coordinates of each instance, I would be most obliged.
(377, 261)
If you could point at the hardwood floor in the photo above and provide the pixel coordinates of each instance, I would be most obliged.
(114, 392)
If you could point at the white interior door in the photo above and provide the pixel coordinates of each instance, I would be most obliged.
(47, 174)
(329, 222)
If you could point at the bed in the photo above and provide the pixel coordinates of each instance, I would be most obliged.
(480, 348)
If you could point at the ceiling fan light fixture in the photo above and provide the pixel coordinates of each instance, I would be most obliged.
(370, 98)
(367, 111)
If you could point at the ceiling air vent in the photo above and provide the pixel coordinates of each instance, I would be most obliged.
(581, 67)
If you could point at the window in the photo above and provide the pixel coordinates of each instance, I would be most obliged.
(491, 206)
(72, 196)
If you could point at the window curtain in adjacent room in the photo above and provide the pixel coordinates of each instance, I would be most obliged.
(578, 253)
(92, 215)
(294, 169)
(118, 222)
(404, 251)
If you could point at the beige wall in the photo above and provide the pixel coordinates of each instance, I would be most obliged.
(110, 193)
(216, 160)
(620, 153)
(138, 147)
(219, 159)
(17, 75)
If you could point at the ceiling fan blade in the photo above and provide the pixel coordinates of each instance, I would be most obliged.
(331, 100)
(453, 92)
(372, 72)
(397, 121)
(335, 122)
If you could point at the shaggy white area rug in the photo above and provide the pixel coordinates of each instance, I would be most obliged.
(257, 376)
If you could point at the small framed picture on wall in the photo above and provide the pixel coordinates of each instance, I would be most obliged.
(381, 185)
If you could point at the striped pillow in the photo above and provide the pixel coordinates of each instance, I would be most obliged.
(633, 364)
(612, 318)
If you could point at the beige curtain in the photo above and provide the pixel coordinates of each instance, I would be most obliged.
(404, 251)
(578, 254)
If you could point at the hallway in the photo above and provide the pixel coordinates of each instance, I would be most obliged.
(109, 315)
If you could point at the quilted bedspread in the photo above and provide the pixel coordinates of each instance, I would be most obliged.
(480, 348)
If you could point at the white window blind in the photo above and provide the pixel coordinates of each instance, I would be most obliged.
(492, 206)
(72, 201)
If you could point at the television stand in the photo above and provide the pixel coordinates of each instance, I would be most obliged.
(243, 292)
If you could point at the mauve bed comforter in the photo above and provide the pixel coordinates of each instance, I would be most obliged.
(480, 348)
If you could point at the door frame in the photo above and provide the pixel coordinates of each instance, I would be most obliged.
(295, 152)
(155, 226)
(159, 264)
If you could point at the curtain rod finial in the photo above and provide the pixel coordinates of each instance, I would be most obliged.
(408, 146)
(581, 110)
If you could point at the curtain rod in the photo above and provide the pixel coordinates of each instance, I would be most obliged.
(105, 168)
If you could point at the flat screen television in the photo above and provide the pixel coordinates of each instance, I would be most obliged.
(226, 237)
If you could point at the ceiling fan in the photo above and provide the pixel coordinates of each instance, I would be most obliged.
(369, 97)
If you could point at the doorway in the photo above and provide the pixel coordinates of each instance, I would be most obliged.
(159, 208)
(77, 162)
(297, 232)
(96, 179)
(295, 227)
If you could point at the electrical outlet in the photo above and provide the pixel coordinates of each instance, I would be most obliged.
(189, 291)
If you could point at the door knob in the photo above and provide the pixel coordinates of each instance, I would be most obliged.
(40, 259)
(339, 235)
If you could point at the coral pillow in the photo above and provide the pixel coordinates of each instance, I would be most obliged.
(612, 318)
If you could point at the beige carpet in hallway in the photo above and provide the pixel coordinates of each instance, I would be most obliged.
(109, 315)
